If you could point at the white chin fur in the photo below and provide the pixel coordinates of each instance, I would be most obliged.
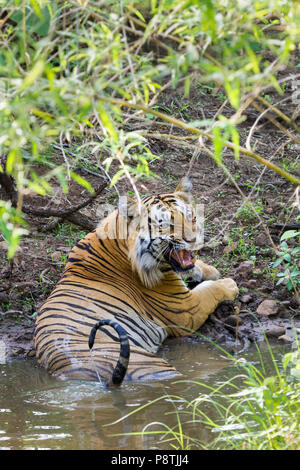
(147, 267)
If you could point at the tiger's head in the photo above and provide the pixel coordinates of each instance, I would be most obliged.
(163, 234)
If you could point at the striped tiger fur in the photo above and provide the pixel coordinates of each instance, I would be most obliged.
(128, 273)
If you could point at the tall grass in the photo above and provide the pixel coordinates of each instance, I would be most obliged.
(256, 409)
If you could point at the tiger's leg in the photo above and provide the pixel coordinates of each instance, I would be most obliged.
(201, 272)
(208, 295)
(203, 301)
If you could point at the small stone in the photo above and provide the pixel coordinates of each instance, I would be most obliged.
(286, 338)
(230, 248)
(252, 283)
(262, 240)
(275, 331)
(245, 299)
(268, 307)
(4, 297)
(245, 269)
(56, 256)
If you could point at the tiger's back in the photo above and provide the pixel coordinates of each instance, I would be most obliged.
(94, 286)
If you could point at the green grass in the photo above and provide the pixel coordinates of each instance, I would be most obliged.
(68, 233)
(256, 409)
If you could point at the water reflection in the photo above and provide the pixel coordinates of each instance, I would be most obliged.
(39, 412)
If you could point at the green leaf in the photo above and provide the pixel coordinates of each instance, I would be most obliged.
(289, 234)
(82, 181)
(219, 143)
(106, 121)
(295, 373)
(35, 73)
(236, 141)
(37, 21)
(116, 177)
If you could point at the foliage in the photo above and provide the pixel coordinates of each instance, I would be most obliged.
(289, 259)
(62, 61)
(253, 410)
(263, 413)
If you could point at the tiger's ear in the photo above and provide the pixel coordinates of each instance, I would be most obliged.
(184, 188)
(128, 207)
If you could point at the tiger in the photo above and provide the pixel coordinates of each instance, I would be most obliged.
(124, 290)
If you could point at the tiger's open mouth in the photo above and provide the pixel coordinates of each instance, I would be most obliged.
(182, 260)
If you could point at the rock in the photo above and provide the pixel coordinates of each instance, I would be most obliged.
(245, 299)
(230, 248)
(286, 338)
(262, 240)
(245, 269)
(252, 283)
(268, 307)
(4, 297)
(56, 256)
(275, 331)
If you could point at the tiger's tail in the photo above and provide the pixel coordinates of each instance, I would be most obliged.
(123, 361)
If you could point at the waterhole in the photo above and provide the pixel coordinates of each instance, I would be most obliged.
(38, 411)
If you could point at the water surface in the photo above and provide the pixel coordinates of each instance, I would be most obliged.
(38, 411)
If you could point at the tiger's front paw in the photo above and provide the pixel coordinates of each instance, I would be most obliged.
(229, 287)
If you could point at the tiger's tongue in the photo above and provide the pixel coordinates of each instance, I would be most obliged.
(183, 257)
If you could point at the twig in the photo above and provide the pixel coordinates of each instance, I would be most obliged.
(77, 219)
(65, 157)
(248, 146)
(10, 311)
(288, 226)
(276, 123)
(43, 278)
(197, 150)
(279, 113)
(45, 212)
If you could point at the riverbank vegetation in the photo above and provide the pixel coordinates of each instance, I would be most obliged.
(257, 408)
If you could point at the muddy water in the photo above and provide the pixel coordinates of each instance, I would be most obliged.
(39, 412)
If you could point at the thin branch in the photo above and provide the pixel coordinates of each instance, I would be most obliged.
(277, 124)
(45, 212)
(279, 113)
